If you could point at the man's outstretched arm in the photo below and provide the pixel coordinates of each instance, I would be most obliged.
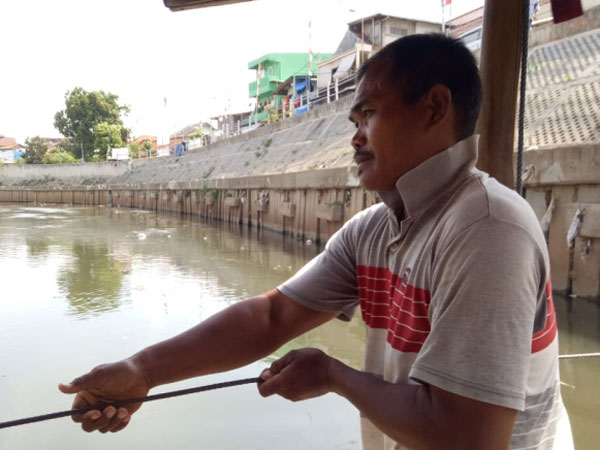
(238, 335)
(417, 416)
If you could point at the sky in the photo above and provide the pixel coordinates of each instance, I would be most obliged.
(144, 53)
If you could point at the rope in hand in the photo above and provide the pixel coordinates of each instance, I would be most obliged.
(210, 387)
(56, 415)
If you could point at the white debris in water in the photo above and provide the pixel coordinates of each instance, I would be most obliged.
(141, 236)
(308, 242)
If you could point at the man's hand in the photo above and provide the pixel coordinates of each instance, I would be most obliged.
(104, 384)
(299, 375)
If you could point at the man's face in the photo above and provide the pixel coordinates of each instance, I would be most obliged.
(387, 137)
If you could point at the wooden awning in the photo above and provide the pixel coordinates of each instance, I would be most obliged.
(179, 5)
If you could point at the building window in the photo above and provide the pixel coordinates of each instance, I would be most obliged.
(270, 71)
(398, 31)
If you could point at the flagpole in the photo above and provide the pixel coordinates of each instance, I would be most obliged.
(443, 16)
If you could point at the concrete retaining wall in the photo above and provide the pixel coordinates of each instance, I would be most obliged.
(298, 178)
(571, 177)
(60, 174)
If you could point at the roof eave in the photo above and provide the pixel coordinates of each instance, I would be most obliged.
(180, 5)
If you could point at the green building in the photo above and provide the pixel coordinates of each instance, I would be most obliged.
(273, 69)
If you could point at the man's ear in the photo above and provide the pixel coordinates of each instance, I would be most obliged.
(438, 104)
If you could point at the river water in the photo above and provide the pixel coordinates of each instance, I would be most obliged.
(84, 286)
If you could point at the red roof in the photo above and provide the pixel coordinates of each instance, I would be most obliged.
(466, 22)
(7, 143)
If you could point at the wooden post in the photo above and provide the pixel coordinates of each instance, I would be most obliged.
(500, 65)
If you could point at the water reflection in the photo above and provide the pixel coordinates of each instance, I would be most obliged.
(579, 332)
(38, 247)
(158, 275)
(92, 282)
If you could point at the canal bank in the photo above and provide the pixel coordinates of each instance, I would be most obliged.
(297, 177)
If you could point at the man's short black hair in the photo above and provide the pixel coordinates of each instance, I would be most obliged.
(417, 62)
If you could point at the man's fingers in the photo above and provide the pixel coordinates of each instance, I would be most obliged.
(77, 384)
(68, 388)
(89, 416)
(114, 420)
(270, 386)
(266, 374)
(286, 359)
(124, 423)
(92, 420)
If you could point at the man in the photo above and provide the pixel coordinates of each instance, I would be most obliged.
(450, 272)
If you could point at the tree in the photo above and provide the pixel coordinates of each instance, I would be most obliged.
(35, 149)
(196, 134)
(107, 136)
(134, 150)
(59, 156)
(83, 112)
(147, 146)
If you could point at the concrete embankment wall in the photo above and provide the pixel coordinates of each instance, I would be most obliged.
(294, 176)
(571, 177)
(298, 178)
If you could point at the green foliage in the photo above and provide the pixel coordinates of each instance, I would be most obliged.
(214, 193)
(107, 136)
(150, 151)
(59, 156)
(83, 112)
(93, 281)
(272, 114)
(35, 149)
(196, 134)
(208, 172)
(134, 150)
(20, 161)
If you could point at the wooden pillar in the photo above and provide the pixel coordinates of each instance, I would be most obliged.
(500, 65)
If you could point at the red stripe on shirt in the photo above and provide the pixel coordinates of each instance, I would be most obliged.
(388, 303)
(546, 335)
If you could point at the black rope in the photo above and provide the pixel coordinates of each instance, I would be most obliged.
(522, 95)
(117, 404)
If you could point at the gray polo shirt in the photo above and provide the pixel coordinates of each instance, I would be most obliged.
(452, 279)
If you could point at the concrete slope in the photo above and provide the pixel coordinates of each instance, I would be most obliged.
(563, 92)
(319, 142)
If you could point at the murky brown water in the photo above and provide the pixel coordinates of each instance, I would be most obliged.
(82, 286)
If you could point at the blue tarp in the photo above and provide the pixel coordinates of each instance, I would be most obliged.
(179, 149)
(300, 85)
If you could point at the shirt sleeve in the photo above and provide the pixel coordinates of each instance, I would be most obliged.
(486, 285)
(328, 281)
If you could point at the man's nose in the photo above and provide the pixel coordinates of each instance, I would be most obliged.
(358, 140)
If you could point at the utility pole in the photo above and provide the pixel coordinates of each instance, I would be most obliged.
(443, 16)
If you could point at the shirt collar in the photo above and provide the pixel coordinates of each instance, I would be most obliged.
(419, 187)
